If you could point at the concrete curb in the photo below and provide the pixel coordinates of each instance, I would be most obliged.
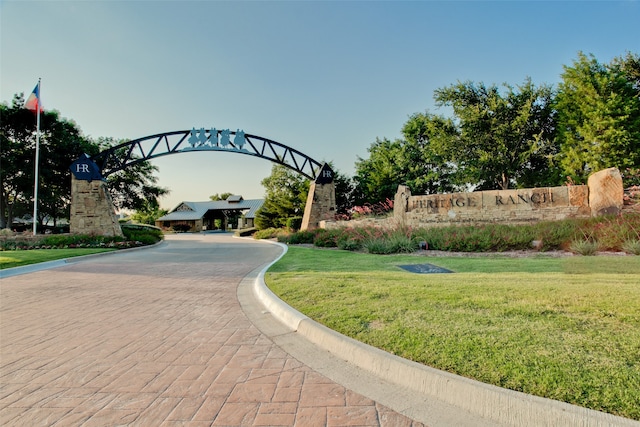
(491, 403)
(32, 268)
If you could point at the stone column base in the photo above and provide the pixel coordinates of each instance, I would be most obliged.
(92, 210)
(321, 205)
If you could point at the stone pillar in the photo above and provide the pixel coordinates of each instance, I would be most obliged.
(400, 203)
(606, 193)
(92, 210)
(321, 205)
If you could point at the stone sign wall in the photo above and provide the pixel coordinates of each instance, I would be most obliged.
(508, 206)
(602, 195)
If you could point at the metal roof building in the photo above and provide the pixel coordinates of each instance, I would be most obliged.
(212, 214)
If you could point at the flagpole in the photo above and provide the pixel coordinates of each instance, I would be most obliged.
(35, 185)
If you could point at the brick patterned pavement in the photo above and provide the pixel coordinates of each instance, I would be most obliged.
(157, 337)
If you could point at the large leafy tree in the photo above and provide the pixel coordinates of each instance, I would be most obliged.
(344, 191)
(504, 139)
(425, 168)
(61, 142)
(412, 161)
(285, 197)
(149, 213)
(16, 160)
(599, 115)
(377, 177)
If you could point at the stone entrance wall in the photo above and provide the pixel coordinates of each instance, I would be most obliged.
(602, 195)
(506, 206)
(92, 211)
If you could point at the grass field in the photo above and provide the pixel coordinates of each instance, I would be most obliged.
(562, 328)
(10, 259)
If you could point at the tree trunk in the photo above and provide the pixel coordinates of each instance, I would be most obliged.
(505, 182)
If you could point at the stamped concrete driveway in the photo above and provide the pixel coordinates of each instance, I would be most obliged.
(157, 337)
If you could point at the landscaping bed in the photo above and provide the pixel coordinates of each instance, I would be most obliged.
(616, 233)
(17, 249)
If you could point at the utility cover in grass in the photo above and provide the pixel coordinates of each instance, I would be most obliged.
(424, 268)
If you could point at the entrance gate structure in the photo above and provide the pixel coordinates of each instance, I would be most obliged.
(92, 211)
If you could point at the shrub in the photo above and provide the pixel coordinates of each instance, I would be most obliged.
(245, 232)
(379, 209)
(326, 238)
(294, 223)
(301, 237)
(584, 247)
(283, 235)
(631, 247)
(134, 235)
(610, 232)
(144, 227)
(6, 232)
(378, 246)
(403, 244)
(181, 228)
(267, 233)
(349, 244)
(556, 234)
(393, 244)
(146, 234)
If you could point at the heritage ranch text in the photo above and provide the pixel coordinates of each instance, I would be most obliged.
(470, 201)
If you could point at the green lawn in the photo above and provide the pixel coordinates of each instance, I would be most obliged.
(10, 259)
(563, 328)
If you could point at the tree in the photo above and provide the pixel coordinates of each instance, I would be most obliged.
(599, 115)
(16, 154)
(377, 178)
(61, 142)
(221, 196)
(344, 191)
(285, 197)
(425, 169)
(134, 187)
(630, 65)
(413, 162)
(149, 213)
(504, 140)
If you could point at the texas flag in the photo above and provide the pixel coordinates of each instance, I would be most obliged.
(33, 103)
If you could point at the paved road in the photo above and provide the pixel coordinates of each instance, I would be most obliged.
(157, 337)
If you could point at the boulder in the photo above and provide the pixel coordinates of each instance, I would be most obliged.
(606, 193)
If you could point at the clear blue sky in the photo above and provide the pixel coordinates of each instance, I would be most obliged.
(325, 77)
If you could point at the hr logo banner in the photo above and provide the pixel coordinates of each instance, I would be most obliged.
(85, 169)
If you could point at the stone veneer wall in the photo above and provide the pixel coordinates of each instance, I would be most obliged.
(602, 195)
(92, 211)
(481, 207)
(321, 205)
(498, 206)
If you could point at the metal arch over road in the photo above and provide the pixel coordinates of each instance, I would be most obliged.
(138, 150)
(92, 211)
